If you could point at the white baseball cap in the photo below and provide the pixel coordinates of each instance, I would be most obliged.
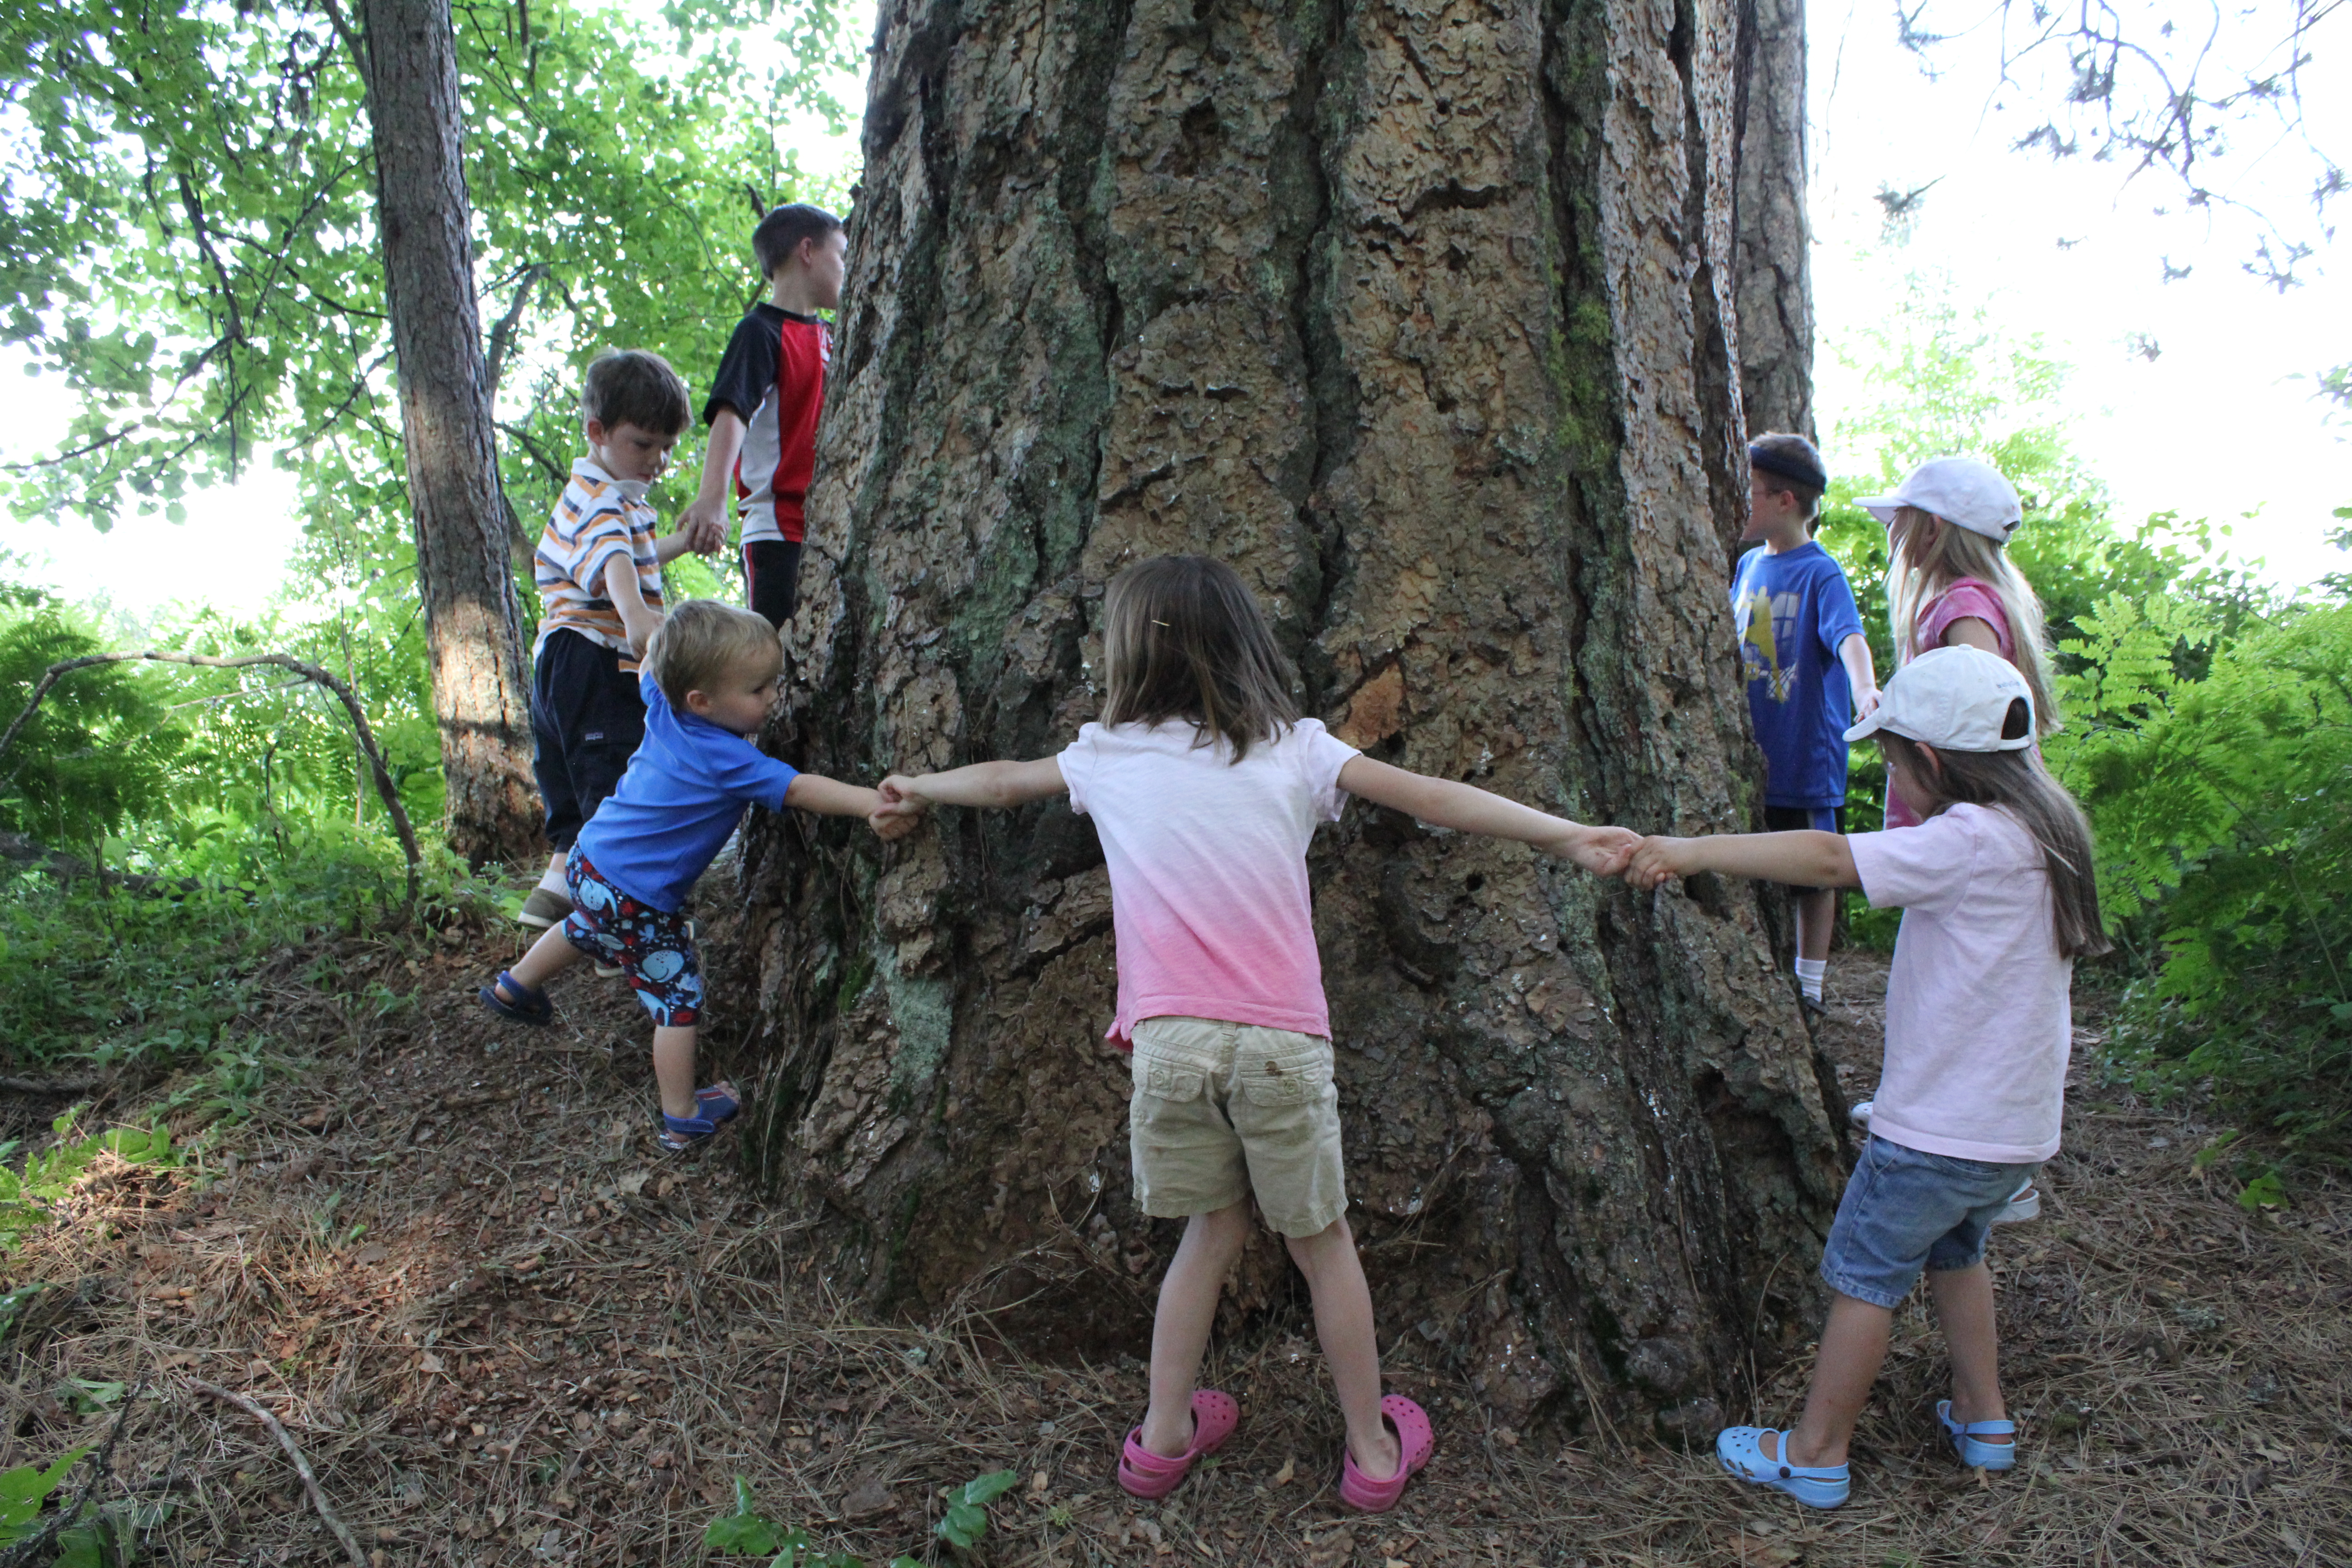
(1967, 492)
(1956, 697)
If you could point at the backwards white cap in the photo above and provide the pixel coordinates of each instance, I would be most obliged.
(1955, 698)
(1967, 492)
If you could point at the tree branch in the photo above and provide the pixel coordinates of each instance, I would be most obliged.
(342, 1532)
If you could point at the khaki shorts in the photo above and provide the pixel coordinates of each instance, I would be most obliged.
(1225, 1111)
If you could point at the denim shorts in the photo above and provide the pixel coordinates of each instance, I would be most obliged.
(1905, 1211)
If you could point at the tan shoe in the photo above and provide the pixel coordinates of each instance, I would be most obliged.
(542, 910)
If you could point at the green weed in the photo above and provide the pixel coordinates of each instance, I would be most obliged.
(28, 1197)
(748, 1532)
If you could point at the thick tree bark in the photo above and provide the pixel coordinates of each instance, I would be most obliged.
(1771, 240)
(473, 626)
(1417, 314)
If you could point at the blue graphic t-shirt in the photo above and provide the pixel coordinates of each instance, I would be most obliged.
(1793, 610)
(685, 790)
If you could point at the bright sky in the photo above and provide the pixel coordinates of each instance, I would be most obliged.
(2214, 427)
(2211, 426)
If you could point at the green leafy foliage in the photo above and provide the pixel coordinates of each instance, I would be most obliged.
(103, 1537)
(28, 1196)
(2225, 849)
(966, 1520)
(748, 1532)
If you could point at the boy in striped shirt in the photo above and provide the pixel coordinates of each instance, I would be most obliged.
(599, 569)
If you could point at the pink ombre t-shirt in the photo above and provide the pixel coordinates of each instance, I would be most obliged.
(1965, 598)
(1979, 1015)
(1208, 868)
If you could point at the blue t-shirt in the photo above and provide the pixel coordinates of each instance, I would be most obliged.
(1792, 611)
(684, 793)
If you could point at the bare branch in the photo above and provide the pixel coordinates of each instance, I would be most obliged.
(343, 1533)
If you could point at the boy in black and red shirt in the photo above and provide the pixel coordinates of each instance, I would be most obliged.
(764, 402)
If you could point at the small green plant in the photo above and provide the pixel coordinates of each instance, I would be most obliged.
(748, 1532)
(966, 1520)
(103, 1537)
(28, 1196)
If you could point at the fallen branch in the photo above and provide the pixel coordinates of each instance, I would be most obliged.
(342, 1532)
(303, 668)
(48, 1086)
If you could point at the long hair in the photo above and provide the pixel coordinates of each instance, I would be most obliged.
(1184, 639)
(1920, 573)
(2013, 782)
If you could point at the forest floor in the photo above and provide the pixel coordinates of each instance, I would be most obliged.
(444, 1253)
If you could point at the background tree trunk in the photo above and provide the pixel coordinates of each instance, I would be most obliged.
(1418, 314)
(472, 628)
(1771, 240)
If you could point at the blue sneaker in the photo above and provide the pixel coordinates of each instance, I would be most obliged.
(1979, 1455)
(1741, 1452)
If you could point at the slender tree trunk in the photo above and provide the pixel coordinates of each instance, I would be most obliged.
(472, 628)
(1418, 314)
(1770, 236)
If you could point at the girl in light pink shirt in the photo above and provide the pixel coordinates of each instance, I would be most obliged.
(1950, 583)
(1998, 900)
(1205, 786)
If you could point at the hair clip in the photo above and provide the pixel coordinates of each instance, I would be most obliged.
(1160, 622)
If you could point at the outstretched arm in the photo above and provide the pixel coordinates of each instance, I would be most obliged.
(1441, 803)
(1805, 860)
(982, 783)
(1860, 676)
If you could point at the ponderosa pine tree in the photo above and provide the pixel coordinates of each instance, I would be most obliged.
(1419, 315)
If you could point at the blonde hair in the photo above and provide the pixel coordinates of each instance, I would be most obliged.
(1184, 639)
(701, 641)
(1918, 574)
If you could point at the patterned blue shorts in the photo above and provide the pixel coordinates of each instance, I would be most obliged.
(651, 946)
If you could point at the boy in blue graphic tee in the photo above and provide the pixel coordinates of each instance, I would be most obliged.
(1808, 667)
(709, 678)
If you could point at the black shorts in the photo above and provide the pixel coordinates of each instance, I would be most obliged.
(586, 719)
(1804, 819)
(771, 578)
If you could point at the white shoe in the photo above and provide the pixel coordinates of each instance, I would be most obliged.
(1860, 1114)
(2023, 1205)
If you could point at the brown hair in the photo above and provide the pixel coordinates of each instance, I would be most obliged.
(778, 237)
(1779, 457)
(2014, 782)
(1919, 573)
(1184, 639)
(701, 641)
(632, 387)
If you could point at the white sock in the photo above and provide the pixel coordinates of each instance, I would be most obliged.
(1810, 972)
(553, 882)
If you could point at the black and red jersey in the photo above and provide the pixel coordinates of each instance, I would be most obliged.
(772, 376)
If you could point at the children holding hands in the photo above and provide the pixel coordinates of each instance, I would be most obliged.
(1998, 899)
(1205, 786)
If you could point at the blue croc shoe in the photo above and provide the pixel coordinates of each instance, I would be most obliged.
(1973, 1452)
(1742, 1454)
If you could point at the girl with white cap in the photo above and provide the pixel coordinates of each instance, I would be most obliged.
(1998, 900)
(1950, 582)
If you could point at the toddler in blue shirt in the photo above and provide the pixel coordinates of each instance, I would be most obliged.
(710, 676)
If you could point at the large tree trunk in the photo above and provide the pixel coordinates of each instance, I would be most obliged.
(472, 628)
(1770, 240)
(1416, 314)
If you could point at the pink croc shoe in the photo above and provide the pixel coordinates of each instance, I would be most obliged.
(1144, 1474)
(1415, 1443)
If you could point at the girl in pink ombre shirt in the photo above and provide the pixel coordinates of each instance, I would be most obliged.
(1205, 786)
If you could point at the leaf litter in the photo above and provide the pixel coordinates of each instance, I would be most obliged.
(553, 1348)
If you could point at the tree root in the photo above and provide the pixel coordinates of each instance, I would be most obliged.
(326, 1511)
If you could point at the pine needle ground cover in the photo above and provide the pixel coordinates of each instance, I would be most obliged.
(445, 1255)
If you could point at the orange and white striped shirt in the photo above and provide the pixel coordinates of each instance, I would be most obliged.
(596, 520)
